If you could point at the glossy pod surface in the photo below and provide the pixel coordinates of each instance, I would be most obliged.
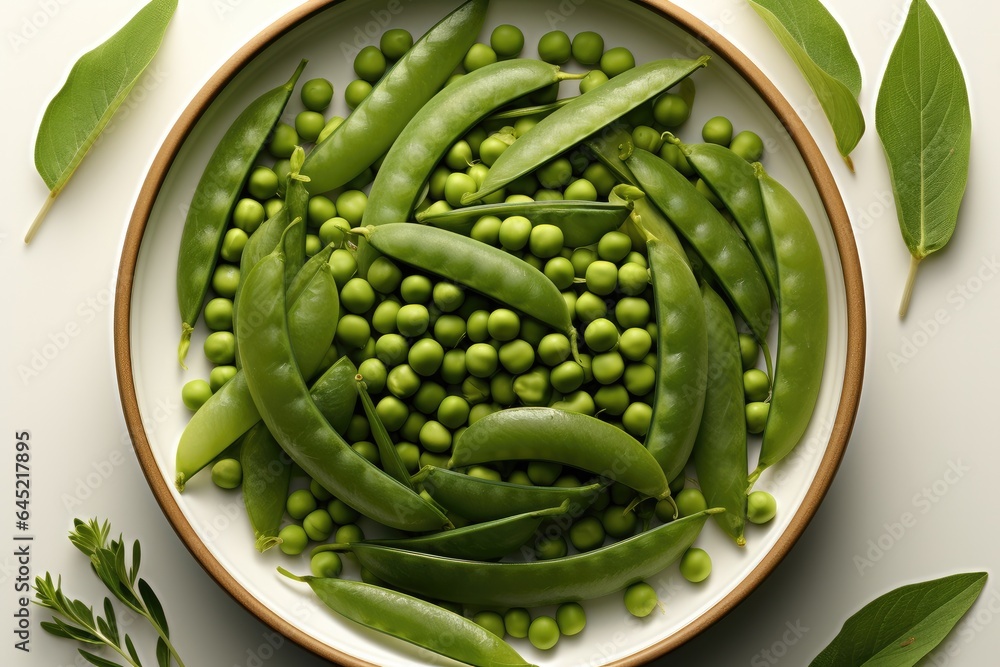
(581, 577)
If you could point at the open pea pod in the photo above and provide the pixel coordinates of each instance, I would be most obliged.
(415, 621)
(476, 499)
(583, 576)
(582, 223)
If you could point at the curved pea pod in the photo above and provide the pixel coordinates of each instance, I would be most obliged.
(534, 584)
(267, 474)
(733, 181)
(280, 394)
(582, 223)
(539, 110)
(214, 199)
(582, 117)
(803, 323)
(389, 456)
(610, 146)
(487, 270)
(297, 206)
(230, 412)
(712, 237)
(681, 360)
(478, 500)
(436, 127)
(720, 451)
(372, 128)
(546, 434)
(482, 541)
(412, 620)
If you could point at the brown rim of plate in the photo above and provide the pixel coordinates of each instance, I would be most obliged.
(825, 184)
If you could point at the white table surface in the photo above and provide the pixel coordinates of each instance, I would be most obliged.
(924, 444)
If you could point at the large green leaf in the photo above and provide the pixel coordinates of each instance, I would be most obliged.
(97, 85)
(819, 47)
(923, 118)
(901, 627)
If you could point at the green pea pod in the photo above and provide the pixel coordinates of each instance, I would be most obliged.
(540, 110)
(720, 452)
(335, 394)
(267, 474)
(281, 395)
(803, 323)
(534, 584)
(580, 119)
(436, 127)
(230, 412)
(482, 541)
(582, 223)
(392, 463)
(545, 434)
(214, 199)
(681, 359)
(412, 620)
(372, 128)
(610, 146)
(487, 270)
(712, 237)
(646, 220)
(478, 500)
(297, 205)
(733, 181)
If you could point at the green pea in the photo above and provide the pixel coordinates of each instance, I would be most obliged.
(402, 381)
(481, 410)
(384, 276)
(353, 331)
(602, 278)
(749, 351)
(671, 110)
(507, 41)
(636, 419)
(690, 501)
(618, 523)
(219, 314)
(718, 130)
(227, 474)
(633, 279)
(554, 349)
(588, 47)
(587, 534)
(458, 159)
(614, 247)
(516, 621)
(344, 266)
(429, 397)
(567, 377)
(635, 344)
(331, 126)
(593, 79)
(318, 525)
(392, 411)
(262, 184)
(309, 125)
(453, 412)
(248, 215)
(581, 190)
(616, 61)
(351, 206)
(601, 335)
(434, 437)
(761, 507)
(503, 324)
(543, 633)
(640, 599)
(612, 399)
(590, 307)
(370, 64)
(316, 94)
(326, 565)
(395, 43)
(357, 296)
(632, 312)
(409, 454)
(571, 618)
(696, 565)
(391, 349)
(581, 259)
(756, 385)
(358, 429)
(367, 450)
(481, 360)
(225, 280)
(293, 540)
(556, 174)
(413, 320)
(549, 548)
(756, 414)
(319, 493)
(313, 245)
(639, 379)
(220, 348)
(299, 504)
(492, 621)
(410, 430)
(515, 232)
(546, 241)
(426, 356)
(342, 513)
(519, 477)
(274, 206)
(479, 56)
(543, 473)
(502, 388)
(220, 375)
(748, 145)
(492, 148)
(283, 142)
(517, 356)
(555, 47)
(349, 533)
(356, 92)
(477, 326)
(647, 139)
(673, 155)
(608, 368)
(375, 374)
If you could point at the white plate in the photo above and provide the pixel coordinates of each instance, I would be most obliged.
(213, 523)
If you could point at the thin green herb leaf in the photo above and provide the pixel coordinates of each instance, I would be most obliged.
(97, 85)
(819, 47)
(154, 607)
(162, 653)
(901, 627)
(130, 647)
(98, 660)
(923, 118)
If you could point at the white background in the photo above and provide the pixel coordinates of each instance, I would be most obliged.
(928, 408)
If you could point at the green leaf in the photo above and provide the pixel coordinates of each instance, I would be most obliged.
(162, 653)
(97, 85)
(98, 660)
(153, 605)
(109, 624)
(819, 47)
(901, 627)
(923, 118)
(131, 649)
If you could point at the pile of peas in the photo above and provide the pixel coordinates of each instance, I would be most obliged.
(436, 358)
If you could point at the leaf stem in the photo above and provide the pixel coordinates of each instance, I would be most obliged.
(904, 306)
(49, 201)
